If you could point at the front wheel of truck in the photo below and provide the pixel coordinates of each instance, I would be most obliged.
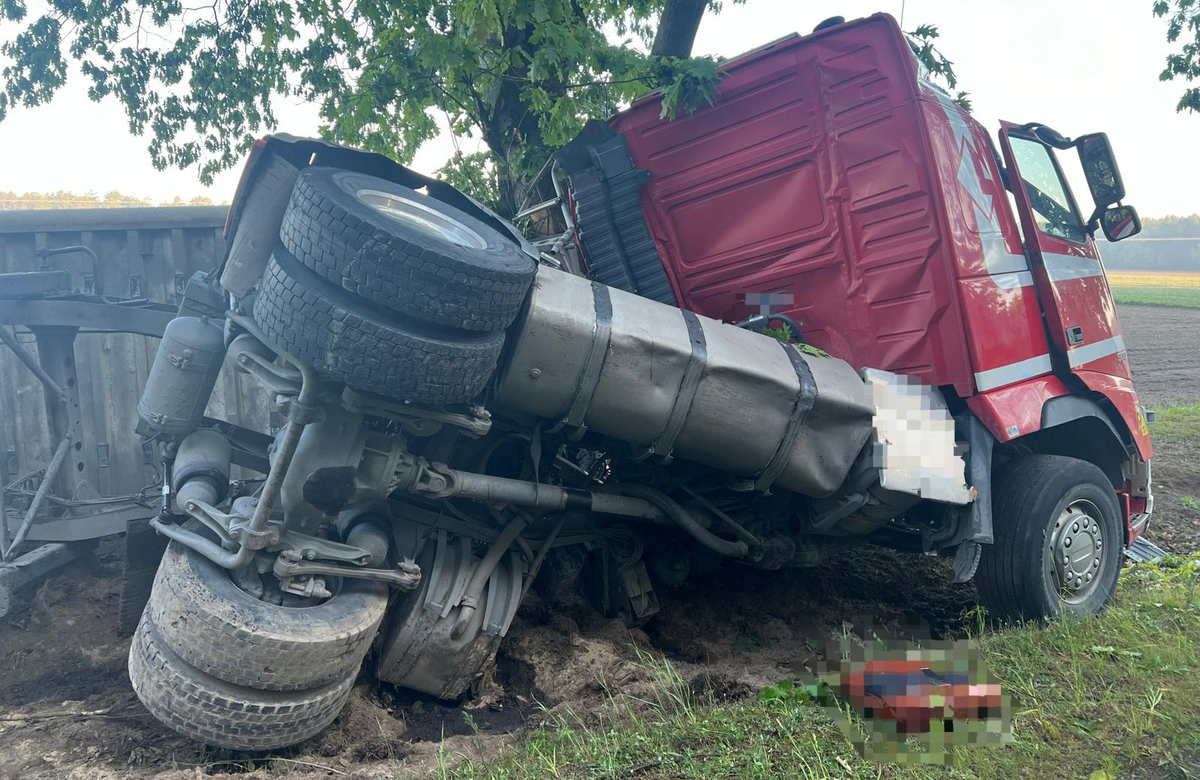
(1057, 543)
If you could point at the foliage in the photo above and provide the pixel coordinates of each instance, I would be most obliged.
(936, 63)
(788, 691)
(1183, 24)
(782, 333)
(520, 75)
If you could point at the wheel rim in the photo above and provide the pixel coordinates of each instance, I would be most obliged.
(1077, 555)
(418, 215)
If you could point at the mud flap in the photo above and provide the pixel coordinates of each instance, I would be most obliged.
(144, 548)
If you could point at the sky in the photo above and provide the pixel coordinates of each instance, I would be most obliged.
(1076, 65)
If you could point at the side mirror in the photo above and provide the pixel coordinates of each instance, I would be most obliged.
(1120, 222)
(1100, 169)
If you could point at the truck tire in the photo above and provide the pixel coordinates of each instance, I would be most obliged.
(219, 629)
(353, 341)
(1058, 540)
(405, 251)
(219, 713)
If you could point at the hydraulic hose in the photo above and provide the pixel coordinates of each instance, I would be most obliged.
(687, 522)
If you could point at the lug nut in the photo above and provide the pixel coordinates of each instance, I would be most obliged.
(1075, 528)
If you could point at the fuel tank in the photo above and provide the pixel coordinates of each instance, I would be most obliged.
(672, 383)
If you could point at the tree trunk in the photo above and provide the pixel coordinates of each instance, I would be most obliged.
(677, 28)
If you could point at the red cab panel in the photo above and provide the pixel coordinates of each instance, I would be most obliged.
(810, 179)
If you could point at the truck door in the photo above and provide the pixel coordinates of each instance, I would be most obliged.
(1081, 318)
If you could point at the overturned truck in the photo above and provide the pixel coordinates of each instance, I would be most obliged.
(824, 311)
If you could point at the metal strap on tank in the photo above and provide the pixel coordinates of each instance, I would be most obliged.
(805, 398)
(665, 442)
(590, 376)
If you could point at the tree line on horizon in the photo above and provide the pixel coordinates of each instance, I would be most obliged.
(62, 199)
(1165, 244)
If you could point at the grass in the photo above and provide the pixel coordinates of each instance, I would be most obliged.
(1092, 697)
(1176, 424)
(1156, 289)
(1175, 297)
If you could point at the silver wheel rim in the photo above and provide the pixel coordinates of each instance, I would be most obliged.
(1077, 552)
(419, 216)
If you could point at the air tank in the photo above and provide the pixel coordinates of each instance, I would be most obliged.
(182, 378)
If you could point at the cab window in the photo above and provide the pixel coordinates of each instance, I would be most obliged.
(1048, 195)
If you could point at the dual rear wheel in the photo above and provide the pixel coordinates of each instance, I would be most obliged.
(390, 291)
(223, 667)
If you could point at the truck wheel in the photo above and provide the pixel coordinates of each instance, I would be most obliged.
(353, 341)
(219, 713)
(216, 627)
(1057, 543)
(404, 251)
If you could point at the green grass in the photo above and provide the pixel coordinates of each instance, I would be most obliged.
(1176, 423)
(1180, 297)
(1092, 697)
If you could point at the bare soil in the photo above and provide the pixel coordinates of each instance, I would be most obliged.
(1164, 353)
(67, 711)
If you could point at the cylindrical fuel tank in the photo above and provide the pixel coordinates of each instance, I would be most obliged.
(185, 370)
(674, 383)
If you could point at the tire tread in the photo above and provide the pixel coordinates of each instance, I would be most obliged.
(220, 714)
(352, 343)
(480, 292)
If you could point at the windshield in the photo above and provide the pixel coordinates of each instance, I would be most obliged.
(1048, 194)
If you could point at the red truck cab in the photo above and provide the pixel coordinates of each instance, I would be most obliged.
(833, 183)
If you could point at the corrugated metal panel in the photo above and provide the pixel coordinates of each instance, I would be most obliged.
(808, 183)
(151, 251)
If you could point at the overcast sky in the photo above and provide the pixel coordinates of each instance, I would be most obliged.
(1076, 65)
